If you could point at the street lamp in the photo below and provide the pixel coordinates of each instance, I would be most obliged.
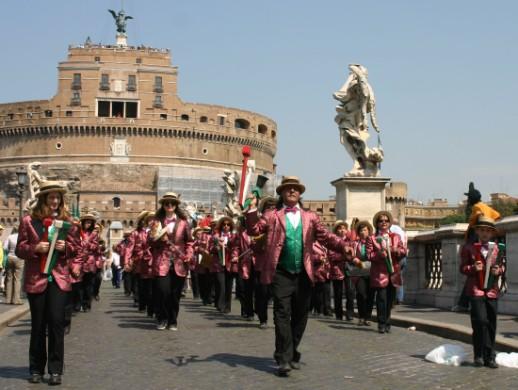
(21, 175)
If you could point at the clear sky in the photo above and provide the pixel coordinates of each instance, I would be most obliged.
(443, 71)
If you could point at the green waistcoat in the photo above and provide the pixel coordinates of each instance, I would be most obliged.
(292, 251)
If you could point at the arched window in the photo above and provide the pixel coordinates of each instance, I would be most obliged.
(203, 119)
(116, 202)
(185, 117)
(262, 129)
(241, 124)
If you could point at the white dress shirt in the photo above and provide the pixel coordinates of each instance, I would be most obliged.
(294, 218)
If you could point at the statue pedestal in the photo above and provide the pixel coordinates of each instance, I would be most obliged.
(360, 197)
(122, 40)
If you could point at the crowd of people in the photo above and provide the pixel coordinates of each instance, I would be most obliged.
(276, 251)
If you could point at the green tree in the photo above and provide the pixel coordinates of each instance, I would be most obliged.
(505, 207)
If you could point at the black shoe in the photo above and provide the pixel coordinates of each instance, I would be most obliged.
(54, 379)
(283, 369)
(348, 317)
(491, 364)
(381, 329)
(295, 365)
(387, 329)
(97, 297)
(35, 378)
(478, 362)
(67, 329)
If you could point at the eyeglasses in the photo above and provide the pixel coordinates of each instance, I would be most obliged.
(168, 204)
(225, 224)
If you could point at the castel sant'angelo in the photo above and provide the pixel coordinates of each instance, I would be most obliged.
(118, 125)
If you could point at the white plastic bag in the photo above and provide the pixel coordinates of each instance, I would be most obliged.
(507, 359)
(447, 354)
(107, 274)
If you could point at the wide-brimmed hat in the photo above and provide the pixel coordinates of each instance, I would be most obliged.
(267, 201)
(379, 214)
(170, 196)
(223, 219)
(50, 186)
(361, 224)
(145, 214)
(486, 222)
(88, 215)
(290, 181)
(198, 229)
(339, 223)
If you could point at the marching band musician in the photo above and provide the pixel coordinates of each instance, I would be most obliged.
(171, 246)
(337, 273)
(384, 251)
(90, 253)
(202, 260)
(321, 297)
(47, 291)
(291, 232)
(480, 263)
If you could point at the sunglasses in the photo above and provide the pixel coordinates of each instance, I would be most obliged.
(383, 221)
(169, 203)
(225, 224)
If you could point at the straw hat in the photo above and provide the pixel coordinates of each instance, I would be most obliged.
(170, 196)
(339, 223)
(485, 222)
(144, 215)
(379, 214)
(50, 186)
(88, 215)
(266, 202)
(290, 181)
(361, 224)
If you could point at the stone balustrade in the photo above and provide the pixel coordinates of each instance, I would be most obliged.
(432, 276)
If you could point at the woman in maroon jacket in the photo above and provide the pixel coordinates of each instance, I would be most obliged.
(47, 292)
(337, 273)
(90, 253)
(202, 262)
(171, 246)
(225, 269)
(138, 252)
(384, 251)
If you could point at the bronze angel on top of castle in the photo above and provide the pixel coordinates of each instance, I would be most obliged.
(120, 20)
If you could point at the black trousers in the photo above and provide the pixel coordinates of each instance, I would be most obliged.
(483, 321)
(87, 290)
(170, 287)
(127, 282)
(364, 297)
(145, 299)
(384, 301)
(195, 285)
(97, 282)
(321, 298)
(205, 284)
(47, 312)
(219, 289)
(247, 286)
(262, 297)
(229, 280)
(291, 299)
(349, 297)
(338, 293)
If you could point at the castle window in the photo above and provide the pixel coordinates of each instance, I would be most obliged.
(241, 124)
(29, 115)
(262, 129)
(76, 99)
(203, 119)
(117, 109)
(131, 109)
(139, 60)
(132, 83)
(158, 88)
(105, 82)
(10, 116)
(185, 117)
(48, 113)
(157, 103)
(97, 59)
(68, 113)
(76, 81)
(163, 116)
(103, 109)
(221, 120)
(116, 202)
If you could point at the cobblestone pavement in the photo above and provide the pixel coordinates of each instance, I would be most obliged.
(115, 347)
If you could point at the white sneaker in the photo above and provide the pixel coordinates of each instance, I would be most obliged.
(173, 327)
(161, 325)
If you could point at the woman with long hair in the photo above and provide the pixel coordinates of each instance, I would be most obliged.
(139, 253)
(384, 251)
(171, 246)
(90, 252)
(47, 282)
